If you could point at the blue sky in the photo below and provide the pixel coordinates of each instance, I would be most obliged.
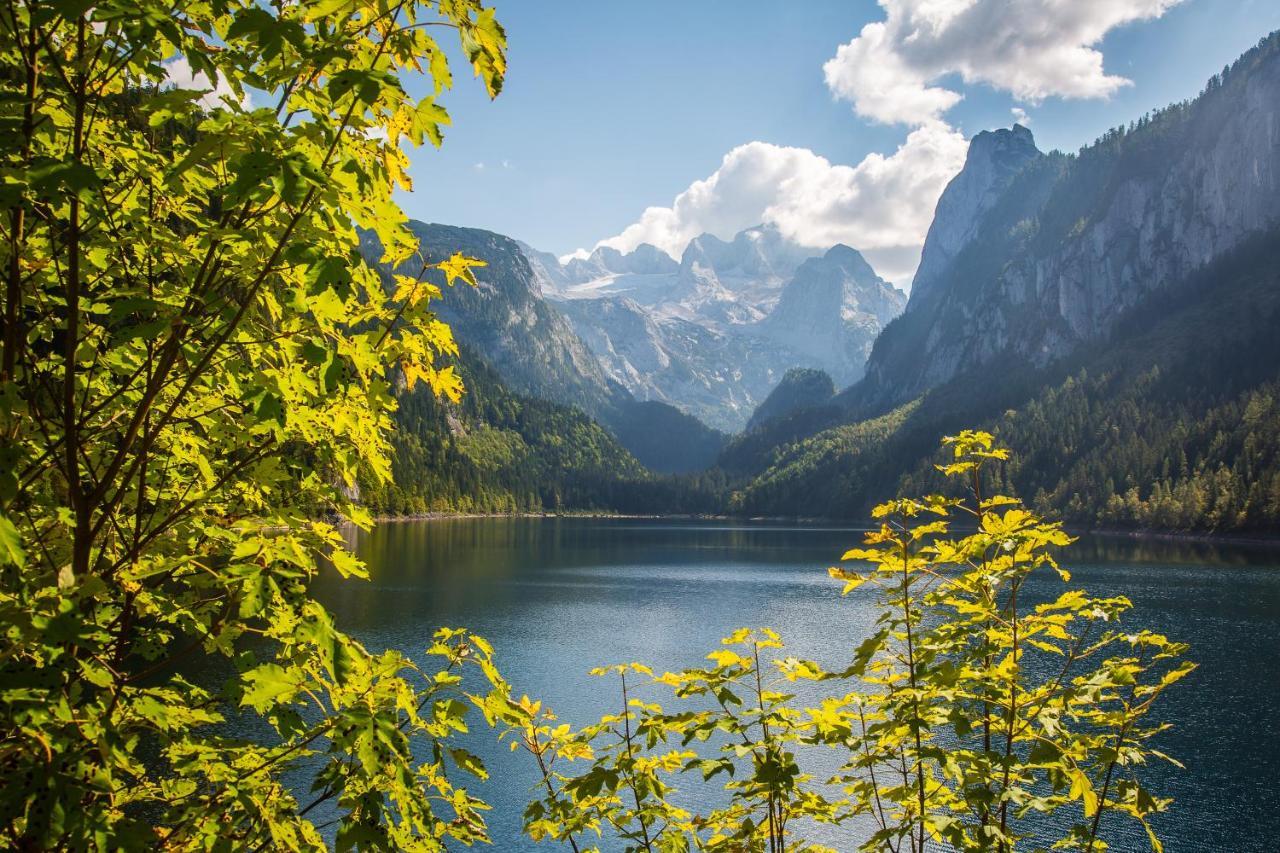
(612, 107)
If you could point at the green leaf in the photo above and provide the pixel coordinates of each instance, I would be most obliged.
(11, 552)
(269, 685)
(470, 763)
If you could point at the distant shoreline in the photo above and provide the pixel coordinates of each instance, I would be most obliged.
(1186, 536)
(1110, 533)
(447, 516)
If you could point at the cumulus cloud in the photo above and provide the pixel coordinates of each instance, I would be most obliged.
(882, 206)
(575, 255)
(178, 73)
(1032, 49)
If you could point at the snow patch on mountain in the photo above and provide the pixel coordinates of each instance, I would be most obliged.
(714, 332)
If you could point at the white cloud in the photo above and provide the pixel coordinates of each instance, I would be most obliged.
(1032, 49)
(882, 206)
(178, 73)
(1020, 116)
(576, 255)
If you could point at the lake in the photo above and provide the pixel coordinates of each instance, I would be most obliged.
(558, 596)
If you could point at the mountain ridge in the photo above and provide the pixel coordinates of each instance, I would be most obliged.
(715, 335)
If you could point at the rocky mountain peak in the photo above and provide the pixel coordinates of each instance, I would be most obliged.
(994, 157)
(1014, 144)
(832, 309)
(846, 260)
(760, 252)
(645, 259)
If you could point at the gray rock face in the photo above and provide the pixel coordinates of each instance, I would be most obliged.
(507, 321)
(995, 156)
(548, 273)
(1222, 186)
(706, 335)
(1034, 262)
(717, 376)
(831, 312)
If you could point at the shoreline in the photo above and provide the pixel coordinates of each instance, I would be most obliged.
(449, 516)
(1267, 539)
(1263, 539)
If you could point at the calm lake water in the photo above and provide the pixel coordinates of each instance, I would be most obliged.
(559, 596)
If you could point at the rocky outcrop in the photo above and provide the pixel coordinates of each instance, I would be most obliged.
(994, 158)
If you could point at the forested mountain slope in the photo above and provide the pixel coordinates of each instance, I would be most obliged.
(497, 451)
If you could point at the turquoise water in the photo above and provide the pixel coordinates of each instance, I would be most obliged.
(559, 596)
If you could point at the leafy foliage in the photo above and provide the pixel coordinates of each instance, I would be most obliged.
(197, 366)
(974, 717)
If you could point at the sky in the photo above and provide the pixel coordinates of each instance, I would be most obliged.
(834, 120)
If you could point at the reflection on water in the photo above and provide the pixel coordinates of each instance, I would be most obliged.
(559, 596)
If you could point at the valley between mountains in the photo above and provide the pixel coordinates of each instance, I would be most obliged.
(1111, 314)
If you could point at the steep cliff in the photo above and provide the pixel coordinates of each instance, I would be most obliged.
(995, 157)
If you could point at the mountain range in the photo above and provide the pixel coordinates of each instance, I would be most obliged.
(1110, 313)
(715, 332)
